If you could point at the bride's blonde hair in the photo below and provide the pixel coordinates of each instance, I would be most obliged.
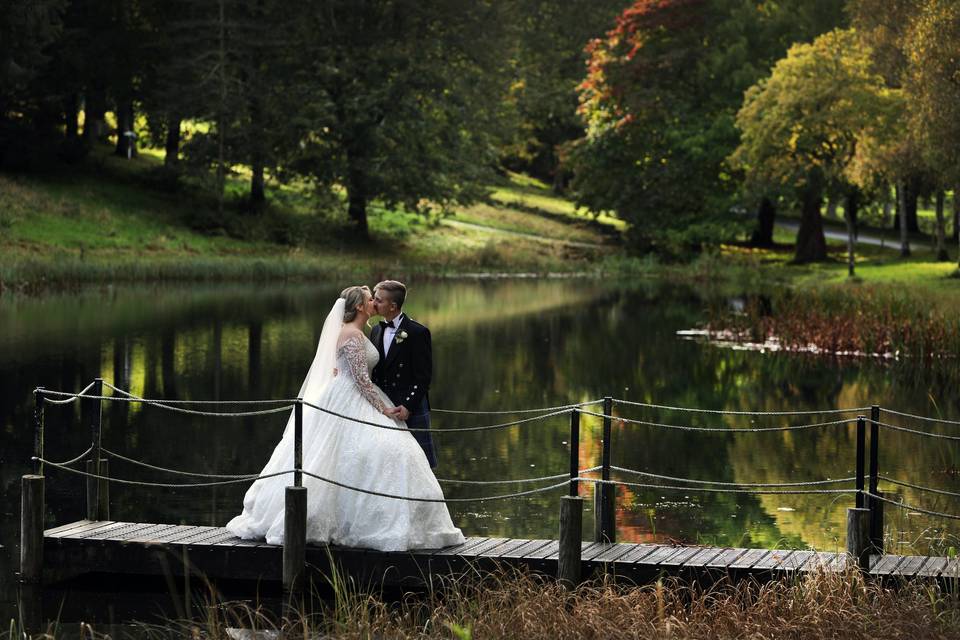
(353, 297)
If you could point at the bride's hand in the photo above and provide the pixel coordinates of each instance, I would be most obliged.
(391, 412)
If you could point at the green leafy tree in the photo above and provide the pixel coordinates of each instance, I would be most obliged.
(404, 97)
(801, 126)
(659, 103)
(932, 84)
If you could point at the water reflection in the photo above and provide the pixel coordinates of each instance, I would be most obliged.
(497, 346)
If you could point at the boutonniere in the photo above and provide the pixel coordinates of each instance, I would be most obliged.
(400, 337)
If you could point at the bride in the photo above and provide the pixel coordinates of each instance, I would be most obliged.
(351, 453)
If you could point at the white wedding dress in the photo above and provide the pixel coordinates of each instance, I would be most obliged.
(356, 455)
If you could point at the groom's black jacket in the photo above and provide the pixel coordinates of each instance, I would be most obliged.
(404, 373)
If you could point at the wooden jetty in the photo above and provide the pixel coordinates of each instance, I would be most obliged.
(162, 549)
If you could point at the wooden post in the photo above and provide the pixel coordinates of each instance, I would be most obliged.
(102, 495)
(861, 449)
(294, 540)
(575, 452)
(298, 443)
(38, 407)
(571, 539)
(93, 466)
(295, 514)
(31, 529)
(605, 523)
(876, 506)
(858, 536)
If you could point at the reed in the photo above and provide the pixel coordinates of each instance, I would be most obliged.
(873, 322)
(510, 604)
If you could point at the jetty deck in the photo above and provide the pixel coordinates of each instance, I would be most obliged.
(106, 546)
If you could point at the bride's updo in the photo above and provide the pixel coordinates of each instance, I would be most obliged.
(353, 297)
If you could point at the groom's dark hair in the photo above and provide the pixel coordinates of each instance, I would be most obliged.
(396, 289)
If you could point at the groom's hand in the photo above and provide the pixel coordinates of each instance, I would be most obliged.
(402, 413)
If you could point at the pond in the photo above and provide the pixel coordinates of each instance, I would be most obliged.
(499, 345)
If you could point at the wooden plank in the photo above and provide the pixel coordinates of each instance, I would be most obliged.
(772, 560)
(952, 569)
(199, 535)
(213, 537)
(884, 565)
(615, 551)
(494, 552)
(680, 557)
(112, 533)
(725, 558)
(702, 557)
(820, 561)
(933, 567)
(749, 559)
(489, 543)
(528, 546)
(657, 556)
(551, 548)
(458, 549)
(795, 560)
(147, 531)
(910, 566)
(99, 531)
(66, 527)
(638, 553)
(597, 550)
(89, 526)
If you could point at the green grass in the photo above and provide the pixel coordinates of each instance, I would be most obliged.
(113, 219)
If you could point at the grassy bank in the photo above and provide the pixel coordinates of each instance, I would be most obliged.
(509, 605)
(113, 220)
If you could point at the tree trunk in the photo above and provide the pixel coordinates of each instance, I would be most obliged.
(126, 143)
(912, 195)
(257, 192)
(956, 214)
(94, 108)
(902, 218)
(357, 193)
(942, 254)
(811, 244)
(850, 215)
(171, 157)
(763, 234)
(831, 208)
(71, 114)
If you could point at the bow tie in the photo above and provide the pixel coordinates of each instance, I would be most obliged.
(387, 323)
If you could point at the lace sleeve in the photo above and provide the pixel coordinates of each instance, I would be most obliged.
(356, 356)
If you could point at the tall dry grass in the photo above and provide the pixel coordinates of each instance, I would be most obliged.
(509, 604)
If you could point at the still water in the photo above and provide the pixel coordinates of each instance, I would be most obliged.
(498, 345)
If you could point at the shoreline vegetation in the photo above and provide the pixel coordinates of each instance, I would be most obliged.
(113, 221)
(508, 604)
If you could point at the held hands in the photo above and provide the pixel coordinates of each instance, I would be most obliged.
(398, 413)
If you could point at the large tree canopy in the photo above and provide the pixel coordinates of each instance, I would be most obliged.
(659, 103)
(801, 126)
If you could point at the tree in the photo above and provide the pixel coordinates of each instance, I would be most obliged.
(27, 107)
(659, 102)
(801, 126)
(548, 65)
(404, 98)
(932, 84)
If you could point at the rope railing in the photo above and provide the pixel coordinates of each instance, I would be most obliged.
(643, 485)
(808, 483)
(576, 405)
(916, 417)
(648, 405)
(681, 427)
(918, 487)
(72, 397)
(910, 507)
(173, 485)
(254, 476)
(925, 434)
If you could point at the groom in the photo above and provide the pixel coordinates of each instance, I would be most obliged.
(406, 362)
